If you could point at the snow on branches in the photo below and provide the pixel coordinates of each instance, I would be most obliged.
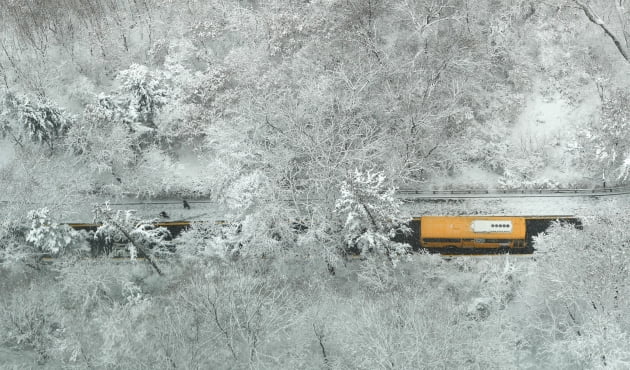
(146, 93)
(372, 216)
(47, 236)
(37, 119)
(604, 144)
(142, 237)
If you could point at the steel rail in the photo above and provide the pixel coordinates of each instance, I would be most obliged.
(513, 193)
(426, 194)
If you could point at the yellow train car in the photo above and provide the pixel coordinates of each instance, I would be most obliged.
(472, 232)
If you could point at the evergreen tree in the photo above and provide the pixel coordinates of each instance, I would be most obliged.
(372, 216)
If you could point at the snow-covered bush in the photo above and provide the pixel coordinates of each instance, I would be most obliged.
(603, 145)
(13, 241)
(101, 140)
(578, 294)
(485, 144)
(264, 221)
(371, 216)
(525, 177)
(31, 320)
(240, 314)
(119, 343)
(246, 193)
(321, 240)
(142, 92)
(209, 240)
(140, 237)
(105, 303)
(499, 285)
(49, 237)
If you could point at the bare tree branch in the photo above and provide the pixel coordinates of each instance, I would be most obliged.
(594, 18)
(319, 333)
(140, 249)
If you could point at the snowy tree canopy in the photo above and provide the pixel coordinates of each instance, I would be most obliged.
(48, 236)
(36, 119)
(371, 215)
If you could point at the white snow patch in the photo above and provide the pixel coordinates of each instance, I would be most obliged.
(544, 132)
(549, 119)
(7, 154)
(189, 164)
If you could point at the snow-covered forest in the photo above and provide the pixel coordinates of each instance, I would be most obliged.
(293, 122)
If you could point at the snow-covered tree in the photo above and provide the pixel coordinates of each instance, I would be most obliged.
(578, 292)
(209, 240)
(101, 140)
(604, 144)
(36, 119)
(44, 237)
(611, 17)
(48, 236)
(141, 237)
(371, 216)
(146, 94)
(12, 241)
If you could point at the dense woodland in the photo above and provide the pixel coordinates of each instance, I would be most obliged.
(312, 110)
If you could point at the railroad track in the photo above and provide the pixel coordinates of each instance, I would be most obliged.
(412, 194)
(513, 193)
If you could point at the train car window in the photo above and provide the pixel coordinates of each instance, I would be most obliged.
(491, 226)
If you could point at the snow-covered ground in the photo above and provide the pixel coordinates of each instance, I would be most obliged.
(547, 125)
(6, 152)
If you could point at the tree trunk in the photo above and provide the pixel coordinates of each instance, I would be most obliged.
(594, 18)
